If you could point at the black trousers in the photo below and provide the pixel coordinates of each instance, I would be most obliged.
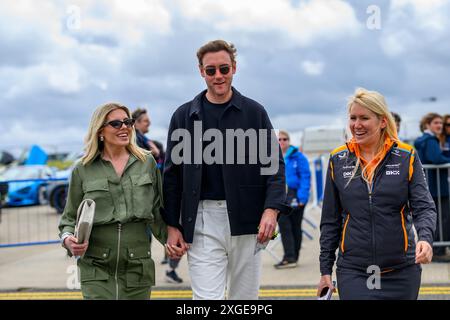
(402, 284)
(438, 251)
(291, 233)
(173, 263)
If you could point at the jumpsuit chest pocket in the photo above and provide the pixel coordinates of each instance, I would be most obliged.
(98, 190)
(140, 268)
(143, 195)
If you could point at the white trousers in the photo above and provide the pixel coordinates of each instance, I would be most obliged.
(218, 261)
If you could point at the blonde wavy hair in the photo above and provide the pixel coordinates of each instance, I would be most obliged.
(92, 143)
(375, 102)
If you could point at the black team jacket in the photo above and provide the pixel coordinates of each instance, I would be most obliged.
(374, 226)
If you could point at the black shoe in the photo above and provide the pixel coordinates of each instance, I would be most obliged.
(172, 277)
(285, 264)
(165, 260)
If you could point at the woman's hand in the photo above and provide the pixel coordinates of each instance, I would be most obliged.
(325, 281)
(77, 249)
(424, 252)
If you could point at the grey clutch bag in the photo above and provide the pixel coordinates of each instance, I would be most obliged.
(85, 219)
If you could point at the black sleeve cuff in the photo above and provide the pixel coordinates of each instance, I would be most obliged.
(283, 208)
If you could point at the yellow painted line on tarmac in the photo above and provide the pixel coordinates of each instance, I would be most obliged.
(187, 294)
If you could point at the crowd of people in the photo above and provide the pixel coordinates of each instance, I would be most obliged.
(433, 149)
(220, 214)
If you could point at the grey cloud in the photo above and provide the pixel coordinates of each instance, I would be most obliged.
(21, 45)
(93, 38)
(161, 74)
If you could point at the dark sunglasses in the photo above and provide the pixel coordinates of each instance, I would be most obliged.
(447, 125)
(224, 69)
(283, 139)
(117, 124)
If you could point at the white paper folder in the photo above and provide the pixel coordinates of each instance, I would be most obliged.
(85, 219)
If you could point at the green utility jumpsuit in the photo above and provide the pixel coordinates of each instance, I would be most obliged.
(117, 263)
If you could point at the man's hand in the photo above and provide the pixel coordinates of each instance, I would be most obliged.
(175, 246)
(267, 225)
(424, 252)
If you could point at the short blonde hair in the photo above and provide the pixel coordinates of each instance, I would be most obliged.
(91, 141)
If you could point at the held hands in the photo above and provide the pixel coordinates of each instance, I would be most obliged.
(267, 225)
(175, 246)
(424, 252)
(76, 249)
(325, 281)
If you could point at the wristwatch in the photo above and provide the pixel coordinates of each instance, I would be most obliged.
(63, 237)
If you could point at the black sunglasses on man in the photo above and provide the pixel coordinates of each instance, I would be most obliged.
(211, 70)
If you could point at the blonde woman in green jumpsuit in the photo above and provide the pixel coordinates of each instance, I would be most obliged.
(125, 184)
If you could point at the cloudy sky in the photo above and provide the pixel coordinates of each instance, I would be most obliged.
(301, 59)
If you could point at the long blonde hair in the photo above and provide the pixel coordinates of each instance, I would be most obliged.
(91, 142)
(375, 102)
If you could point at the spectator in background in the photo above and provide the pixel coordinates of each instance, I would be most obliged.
(162, 155)
(142, 126)
(397, 120)
(446, 136)
(298, 184)
(430, 152)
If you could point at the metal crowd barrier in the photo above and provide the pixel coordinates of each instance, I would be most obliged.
(27, 219)
(442, 201)
(311, 217)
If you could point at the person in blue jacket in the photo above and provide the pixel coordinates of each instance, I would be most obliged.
(430, 152)
(298, 185)
(446, 135)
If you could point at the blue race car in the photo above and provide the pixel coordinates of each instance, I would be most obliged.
(32, 192)
(57, 190)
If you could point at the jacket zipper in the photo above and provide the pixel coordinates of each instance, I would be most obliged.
(370, 190)
(119, 231)
(369, 187)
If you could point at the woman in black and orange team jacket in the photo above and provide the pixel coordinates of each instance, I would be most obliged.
(375, 196)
